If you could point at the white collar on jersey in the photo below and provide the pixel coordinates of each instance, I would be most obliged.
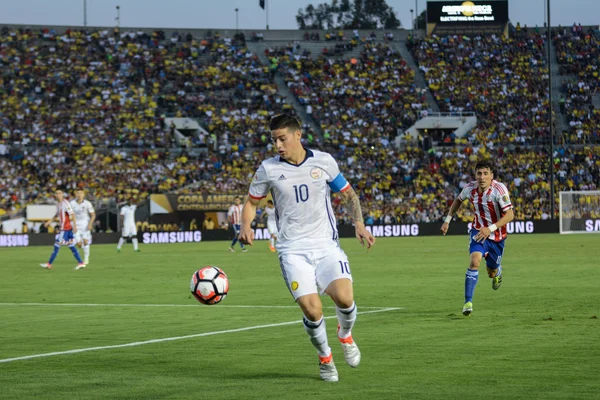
(309, 154)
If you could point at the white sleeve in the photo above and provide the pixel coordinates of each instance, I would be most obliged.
(335, 179)
(260, 185)
(504, 199)
(68, 208)
(465, 193)
(122, 211)
(90, 208)
(230, 211)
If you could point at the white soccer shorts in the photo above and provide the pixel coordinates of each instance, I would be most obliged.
(83, 234)
(272, 228)
(313, 271)
(129, 231)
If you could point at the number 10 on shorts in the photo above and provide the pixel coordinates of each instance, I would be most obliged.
(345, 267)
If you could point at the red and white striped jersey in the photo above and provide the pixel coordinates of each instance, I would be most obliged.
(489, 206)
(65, 214)
(235, 214)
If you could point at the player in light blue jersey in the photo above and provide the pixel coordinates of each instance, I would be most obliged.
(312, 262)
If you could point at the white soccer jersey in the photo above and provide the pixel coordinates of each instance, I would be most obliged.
(302, 197)
(270, 215)
(83, 212)
(128, 213)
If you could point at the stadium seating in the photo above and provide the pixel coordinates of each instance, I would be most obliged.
(88, 110)
(503, 80)
(577, 54)
(364, 101)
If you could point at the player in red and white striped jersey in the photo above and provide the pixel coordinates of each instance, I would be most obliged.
(68, 229)
(493, 210)
(235, 220)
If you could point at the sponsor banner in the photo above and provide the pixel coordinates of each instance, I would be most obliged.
(171, 237)
(47, 239)
(467, 12)
(456, 228)
(18, 240)
(174, 203)
(592, 225)
(196, 236)
(345, 231)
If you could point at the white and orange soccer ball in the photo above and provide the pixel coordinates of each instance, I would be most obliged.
(209, 285)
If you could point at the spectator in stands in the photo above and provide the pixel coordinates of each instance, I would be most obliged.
(208, 224)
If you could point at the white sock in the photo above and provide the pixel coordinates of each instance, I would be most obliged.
(86, 251)
(135, 243)
(272, 242)
(318, 335)
(121, 241)
(346, 318)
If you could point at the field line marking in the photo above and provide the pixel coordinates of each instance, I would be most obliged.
(155, 305)
(133, 344)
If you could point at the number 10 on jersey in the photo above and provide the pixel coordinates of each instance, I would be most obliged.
(301, 193)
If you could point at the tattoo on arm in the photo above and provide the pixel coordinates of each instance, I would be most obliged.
(352, 202)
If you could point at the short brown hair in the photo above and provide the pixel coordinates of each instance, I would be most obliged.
(283, 121)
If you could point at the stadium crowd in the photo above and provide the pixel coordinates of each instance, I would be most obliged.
(503, 80)
(70, 103)
(357, 102)
(577, 54)
(115, 89)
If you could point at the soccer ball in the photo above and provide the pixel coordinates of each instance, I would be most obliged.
(209, 285)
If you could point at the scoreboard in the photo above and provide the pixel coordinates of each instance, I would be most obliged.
(467, 12)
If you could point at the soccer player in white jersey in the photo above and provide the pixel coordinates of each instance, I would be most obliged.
(493, 210)
(234, 215)
(312, 262)
(68, 228)
(128, 228)
(271, 224)
(85, 214)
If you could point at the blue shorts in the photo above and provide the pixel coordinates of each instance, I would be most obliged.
(65, 238)
(492, 251)
(236, 228)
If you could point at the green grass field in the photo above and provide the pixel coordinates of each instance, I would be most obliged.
(537, 337)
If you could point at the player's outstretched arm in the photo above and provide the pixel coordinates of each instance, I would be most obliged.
(51, 220)
(454, 208)
(246, 235)
(352, 203)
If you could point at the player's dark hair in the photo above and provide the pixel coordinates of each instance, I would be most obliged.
(484, 164)
(283, 121)
(270, 201)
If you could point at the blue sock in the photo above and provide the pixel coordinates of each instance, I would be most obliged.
(234, 241)
(470, 283)
(76, 254)
(54, 253)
